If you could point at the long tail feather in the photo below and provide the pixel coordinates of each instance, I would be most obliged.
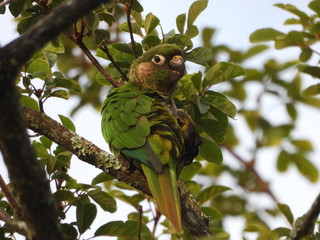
(165, 194)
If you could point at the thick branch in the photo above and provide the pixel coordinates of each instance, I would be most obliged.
(27, 176)
(305, 225)
(195, 222)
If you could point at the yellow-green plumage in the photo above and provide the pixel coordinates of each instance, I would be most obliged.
(140, 123)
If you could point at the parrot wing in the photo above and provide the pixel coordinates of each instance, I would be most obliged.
(140, 128)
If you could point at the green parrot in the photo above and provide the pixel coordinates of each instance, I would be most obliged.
(141, 124)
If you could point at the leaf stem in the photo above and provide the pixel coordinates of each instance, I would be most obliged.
(12, 201)
(103, 46)
(128, 13)
(78, 40)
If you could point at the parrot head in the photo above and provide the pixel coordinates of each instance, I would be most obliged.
(159, 69)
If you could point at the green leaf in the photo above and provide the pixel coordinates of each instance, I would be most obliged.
(181, 40)
(69, 231)
(47, 143)
(315, 6)
(135, 28)
(197, 80)
(125, 230)
(207, 34)
(293, 9)
(136, 6)
(86, 213)
(63, 159)
(305, 54)
(221, 72)
(58, 48)
(105, 201)
(283, 161)
(63, 195)
(180, 22)
(108, 18)
(292, 111)
(281, 232)
(215, 129)
(99, 35)
(211, 152)
(101, 177)
(220, 102)
(304, 145)
(203, 105)
(66, 83)
(41, 151)
(286, 211)
(314, 71)
(122, 47)
(253, 51)
(38, 66)
(306, 167)
(16, 7)
(133, 200)
(264, 35)
(29, 102)
(190, 171)
(210, 193)
(212, 213)
(151, 41)
(312, 90)
(195, 10)
(60, 94)
(151, 23)
(192, 31)
(26, 23)
(199, 55)
(67, 122)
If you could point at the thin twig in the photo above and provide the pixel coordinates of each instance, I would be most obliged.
(156, 220)
(12, 201)
(103, 46)
(250, 167)
(2, 4)
(19, 227)
(133, 44)
(94, 61)
(140, 222)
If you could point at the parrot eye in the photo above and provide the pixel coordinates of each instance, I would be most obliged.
(158, 59)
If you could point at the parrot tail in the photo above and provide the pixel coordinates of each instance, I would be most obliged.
(165, 193)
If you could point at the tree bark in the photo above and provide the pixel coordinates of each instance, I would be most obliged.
(194, 220)
(27, 176)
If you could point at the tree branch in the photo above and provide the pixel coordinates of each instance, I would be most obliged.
(195, 222)
(11, 200)
(19, 227)
(305, 225)
(250, 167)
(26, 174)
(94, 61)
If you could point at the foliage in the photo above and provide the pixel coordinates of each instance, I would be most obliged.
(60, 71)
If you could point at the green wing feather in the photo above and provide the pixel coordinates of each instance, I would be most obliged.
(141, 128)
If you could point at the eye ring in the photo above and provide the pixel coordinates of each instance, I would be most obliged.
(158, 59)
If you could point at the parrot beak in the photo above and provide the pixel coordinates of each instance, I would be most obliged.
(177, 67)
